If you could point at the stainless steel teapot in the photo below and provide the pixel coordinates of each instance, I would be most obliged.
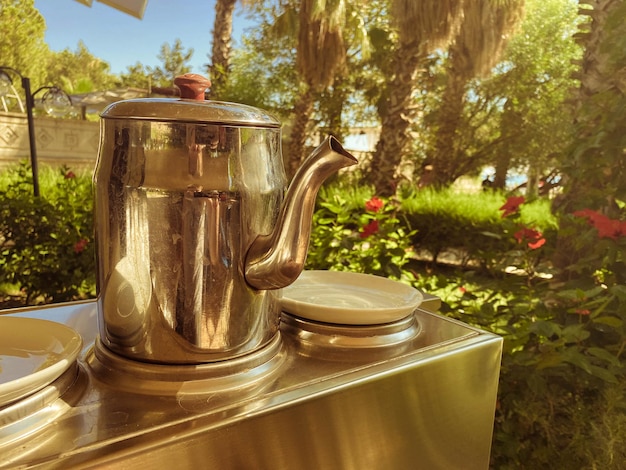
(195, 234)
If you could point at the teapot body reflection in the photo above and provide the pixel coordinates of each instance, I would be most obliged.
(195, 234)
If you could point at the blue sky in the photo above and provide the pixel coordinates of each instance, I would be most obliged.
(122, 40)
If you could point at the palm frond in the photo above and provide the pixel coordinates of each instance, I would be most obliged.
(487, 26)
(321, 48)
(430, 23)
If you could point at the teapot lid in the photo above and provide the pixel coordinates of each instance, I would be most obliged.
(191, 108)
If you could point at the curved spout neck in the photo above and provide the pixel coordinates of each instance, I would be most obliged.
(276, 260)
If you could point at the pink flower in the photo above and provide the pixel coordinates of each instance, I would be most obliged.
(511, 205)
(583, 311)
(532, 237)
(80, 245)
(369, 229)
(374, 204)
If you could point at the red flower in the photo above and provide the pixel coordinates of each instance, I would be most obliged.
(80, 245)
(374, 204)
(369, 229)
(511, 205)
(537, 244)
(533, 237)
(462, 289)
(607, 228)
(583, 311)
(69, 175)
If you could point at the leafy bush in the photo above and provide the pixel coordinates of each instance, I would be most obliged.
(470, 225)
(561, 397)
(562, 394)
(355, 231)
(46, 243)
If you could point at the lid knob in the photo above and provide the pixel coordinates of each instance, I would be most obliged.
(192, 86)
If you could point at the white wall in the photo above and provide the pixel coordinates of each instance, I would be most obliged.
(59, 141)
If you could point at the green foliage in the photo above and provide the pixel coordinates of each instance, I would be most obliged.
(263, 71)
(78, 71)
(562, 359)
(24, 48)
(514, 118)
(46, 243)
(470, 225)
(535, 80)
(262, 74)
(558, 368)
(562, 394)
(175, 62)
(136, 76)
(354, 231)
(566, 355)
(562, 352)
(595, 168)
(23, 45)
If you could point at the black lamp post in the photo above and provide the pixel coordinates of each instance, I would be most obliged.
(31, 123)
(55, 101)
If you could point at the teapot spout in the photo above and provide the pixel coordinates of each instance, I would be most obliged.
(277, 259)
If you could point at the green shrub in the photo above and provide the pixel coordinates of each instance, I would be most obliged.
(470, 225)
(46, 243)
(562, 394)
(355, 231)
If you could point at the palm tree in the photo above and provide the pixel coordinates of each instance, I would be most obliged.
(222, 44)
(222, 41)
(595, 172)
(487, 25)
(422, 26)
(320, 57)
(598, 67)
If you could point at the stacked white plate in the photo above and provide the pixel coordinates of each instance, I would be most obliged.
(349, 298)
(33, 353)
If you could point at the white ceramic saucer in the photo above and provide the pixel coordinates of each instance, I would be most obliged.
(33, 353)
(349, 298)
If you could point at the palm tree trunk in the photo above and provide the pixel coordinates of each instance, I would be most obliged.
(502, 170)
(395, 122)
(447, 156)
(585, 178)
(222, 38)
(532, 182)
(297, 140)
(511, 119)
(589, 174)
(332, 106)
